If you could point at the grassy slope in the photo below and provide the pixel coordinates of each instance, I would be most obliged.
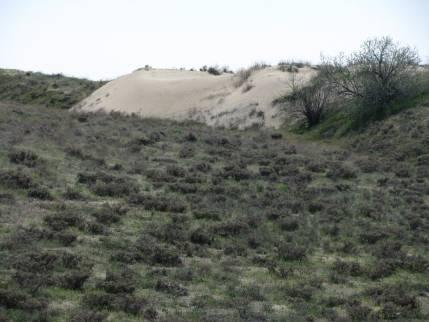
(48, 90)
(106, 216)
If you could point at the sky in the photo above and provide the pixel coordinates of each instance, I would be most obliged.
(104, 39)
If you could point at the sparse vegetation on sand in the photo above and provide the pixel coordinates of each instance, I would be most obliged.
(243, 75)
(292, 66)
(216, 70)
(106, 217)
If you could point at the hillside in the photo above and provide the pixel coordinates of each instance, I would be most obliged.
(48, 90)
(107, 217)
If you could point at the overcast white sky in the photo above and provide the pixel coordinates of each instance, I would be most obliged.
(108, 38)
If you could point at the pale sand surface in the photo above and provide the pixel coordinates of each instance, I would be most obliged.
(181, 94)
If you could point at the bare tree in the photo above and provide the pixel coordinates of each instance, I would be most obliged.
(310, 99)
(377, 74)
(312, 102)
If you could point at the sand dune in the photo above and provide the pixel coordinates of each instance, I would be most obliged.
(181, 94)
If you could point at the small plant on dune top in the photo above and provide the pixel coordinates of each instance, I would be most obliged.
(214, 70)
(243, 75)
(291, 66)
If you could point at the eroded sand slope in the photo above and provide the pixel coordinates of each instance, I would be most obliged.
(181, 94)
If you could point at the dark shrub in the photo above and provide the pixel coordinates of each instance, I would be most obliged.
(200, 236)
(84, 315)
(314, 207)
(119, 282)
(136, 143)
(265, 171)
(64, 237)
(186, 152)
(415, 263)
(117, 167)
(398, 296)
(15, 179)
(87, 178)
(358, 312)
(35, 261)
(131, 304)
(388, 249)
(151, 314)
(160, 176)
(191, 137)
(236, 173)
(7, 198)
(347, 268)
(72, 261)
(382, 269)
(183, 188)
(26, 158)
(371, 236)
(291, 252)
(62, 221)
(276, 136)
(207, 214)
(214, 70)
(95, 228)
(31, 281)
(203, 167)
(302, 291)
(99, 301)
(40, 192)
(171, 288)
(235, 250)
(315, 166)
(76, 152)
(341, 171)
(72, 194)
(127, 256)
(176, 171)
(34, 269)
(367, 165)
(273, 214)
(151, 251)
(289, 224)
(16, 299)
(333, 301)
(73, 279)
(158, 203)
(106, 185)
(173, 233)
(109, 214)
(12, 298)
(119, 187)
(231, 228)
(165, 256)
